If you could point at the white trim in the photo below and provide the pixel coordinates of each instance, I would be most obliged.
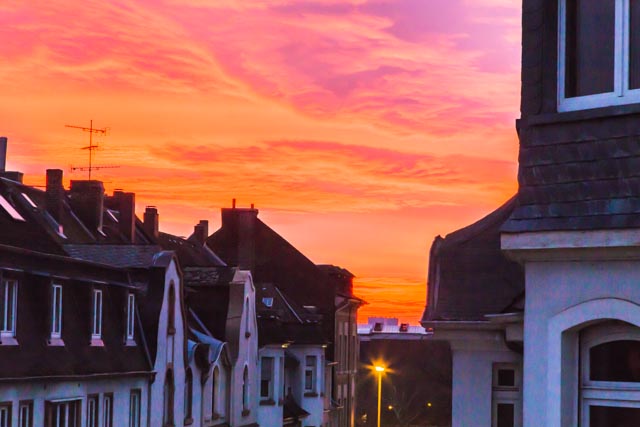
(621, 93)
(623, 238)
(131, 311)
(562, 342)
(96, 330)
(56, 312)
(9, 317)
(10, 209)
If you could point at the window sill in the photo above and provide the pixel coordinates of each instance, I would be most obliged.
(310, 394)
(578, 115)
(188, 421)
(268, 402)
(245, 412)
(8, 340)
(130, 343)
(96, 342)
(55, 342)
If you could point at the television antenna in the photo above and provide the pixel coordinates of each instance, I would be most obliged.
(91, 147)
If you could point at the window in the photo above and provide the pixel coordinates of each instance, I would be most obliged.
(56, 312)
(310, 374)
(266, 378)
(92, 411)
(267, 301)
(107, 410)
(188, 397)
(171, 328)
(506, 396)
(25, 414)
(245, 392)
(63, 413)
(610, 375)
(131, 312)
(214, 392)
(96, 332)
(599, 61)
(8, 308)
(247, 333)
(169, 390)
(134, 408)
(5, 414)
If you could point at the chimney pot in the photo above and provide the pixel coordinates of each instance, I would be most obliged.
(151, 221)
(233, 203)
(201, 231)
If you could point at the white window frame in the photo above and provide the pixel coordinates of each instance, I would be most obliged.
(93, 413)
(313, 369)
(5, 414)
(56, 312)
(605, 393)
(270, 388)
(96, 330)
(9, 317)
(107, 410)
(25, 413)
(135, 406)
(510, 395)
(131, 312)
(621, 94)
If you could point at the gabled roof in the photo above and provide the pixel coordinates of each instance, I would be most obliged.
(190, 252)
(469, 276)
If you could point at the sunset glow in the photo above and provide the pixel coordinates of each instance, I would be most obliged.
(360, 129)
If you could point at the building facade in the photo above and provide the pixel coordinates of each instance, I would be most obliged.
(563, 352)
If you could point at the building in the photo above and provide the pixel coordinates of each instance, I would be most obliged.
(556, 337)
(245, 241)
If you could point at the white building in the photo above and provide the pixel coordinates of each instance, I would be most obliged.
(556, 337)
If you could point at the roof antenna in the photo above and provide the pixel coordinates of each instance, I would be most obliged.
(90, 147)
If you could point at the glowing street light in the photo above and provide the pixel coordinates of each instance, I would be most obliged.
(380, 370)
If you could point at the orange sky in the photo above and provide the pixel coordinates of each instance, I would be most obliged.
(361, 129)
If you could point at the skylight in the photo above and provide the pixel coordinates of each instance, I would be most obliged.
(10, 209)
(28, 199)
(267, 301)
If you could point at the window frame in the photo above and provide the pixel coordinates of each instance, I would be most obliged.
(131, 313)
(56, 311)
(621, 94)
(270, 385)
(604, 393)
(312, 369)
(96, 325)
(6, 408)
(505, 394)
(107, 410)
(6, 317)
(135, 402)
(93, 413)
(28, 405)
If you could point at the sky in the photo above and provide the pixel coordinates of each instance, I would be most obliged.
(360, 129)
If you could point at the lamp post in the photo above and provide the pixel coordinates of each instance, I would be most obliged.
(380, 371)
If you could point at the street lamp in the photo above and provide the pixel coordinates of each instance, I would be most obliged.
(380, 371)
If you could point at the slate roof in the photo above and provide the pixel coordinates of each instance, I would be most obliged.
(116, 255)
(33, 357)
(468, 274)
(189, 252)
(284, 320)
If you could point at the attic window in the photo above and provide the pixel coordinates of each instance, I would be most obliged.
(10, 209)
(404, 327)
(267, 301)
(377, 327)
(28, 199)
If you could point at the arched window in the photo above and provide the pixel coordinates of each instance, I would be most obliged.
(171, 328)
(610, 375)
(214, 392)
(168, 393)
(245, 390)
(188, 395)
(247, 333)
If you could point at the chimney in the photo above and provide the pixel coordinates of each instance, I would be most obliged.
(127, 207)
(3, 153)
(4, 173)
(151, 221)
(201, 231)
(87, 201)
(241, 224)
(54, 194)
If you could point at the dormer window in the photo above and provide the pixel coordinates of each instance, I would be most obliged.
(8, 309)
(56, 315)
(96, 330)
(131, 312)
(599, 53)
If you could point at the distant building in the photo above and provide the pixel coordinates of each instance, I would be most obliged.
(388, 328)
(540, 300)
(245, 241)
